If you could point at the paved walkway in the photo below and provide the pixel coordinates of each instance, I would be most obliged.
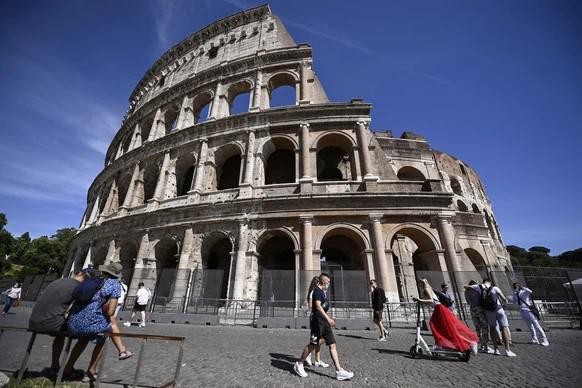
(224, 356)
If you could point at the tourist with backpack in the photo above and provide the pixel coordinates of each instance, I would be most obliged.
(492, 301)
(92, 315)
(529, 314)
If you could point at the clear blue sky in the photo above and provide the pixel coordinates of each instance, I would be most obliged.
(495, 83)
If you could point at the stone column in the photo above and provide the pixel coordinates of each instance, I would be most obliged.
(139, 273)
(365, 158)
(447, 238)
(182, 273)
(240, 265)
(214, 109)
(306, 180)
(246, 186)
(256, 105)
(119, 150)
(112, 202)
(198, 182)
(112, 252)
(170, 186)
(186, 115)
(406, 268)
(94, 211)
(385, 267)
(158, 127)
(307, 242)
(136, 140)
(162, 178)
(89, 254)
(304, 95)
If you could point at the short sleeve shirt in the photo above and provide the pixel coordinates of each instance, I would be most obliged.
(319, 295)
(48, 313)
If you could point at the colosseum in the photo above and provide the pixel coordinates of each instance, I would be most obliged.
(208, 204)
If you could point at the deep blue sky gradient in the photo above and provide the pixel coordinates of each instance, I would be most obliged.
(496, 83)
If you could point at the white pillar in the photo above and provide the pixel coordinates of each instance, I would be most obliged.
(240, 265)
(385, 267)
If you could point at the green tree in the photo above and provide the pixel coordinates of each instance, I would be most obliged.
(6, 243)
(48, 255)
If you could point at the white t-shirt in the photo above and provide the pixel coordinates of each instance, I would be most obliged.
(123, 293)
(14, 293)
(524, 294)
(495, 291)
(143, 295)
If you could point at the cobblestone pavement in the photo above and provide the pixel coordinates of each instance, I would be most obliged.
(225, 356)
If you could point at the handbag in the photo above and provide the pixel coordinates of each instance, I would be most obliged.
(534, 310)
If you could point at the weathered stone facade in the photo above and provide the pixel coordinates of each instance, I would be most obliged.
(189, 186)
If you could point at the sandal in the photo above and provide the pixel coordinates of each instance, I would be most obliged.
(125, 355)
(89, 377)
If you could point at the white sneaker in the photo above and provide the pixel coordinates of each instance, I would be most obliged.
(545, 343)
(474, 348)
(298, 368)
(321, 364)
(509, 353)
(343, 374)
(534, 342)
(127, 324)
(497, 352)
(142, 324)
(382, 339)
(308, 360)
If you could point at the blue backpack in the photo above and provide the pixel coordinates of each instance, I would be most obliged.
(85, 291)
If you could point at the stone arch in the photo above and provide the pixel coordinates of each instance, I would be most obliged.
(127, 256)
(276, 266)
(127, 142)
(166, 253)
(151, 173)
(279, 160)
(409, 173)
(476, 209)
(461, 206)
(343, 256)
(335, 157)
(216, 252)
(243, 87)
(456, 186)
(99, 254)
(489, 224)
(171, 113)
(201, 106)
(145, 126)
(228, 162)
(123, 182)
(415, 255)
(476, 259)
(281, 80)
(185, 167)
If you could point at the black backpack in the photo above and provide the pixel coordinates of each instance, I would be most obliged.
(85, 291)
(488, 300)
(444, 299)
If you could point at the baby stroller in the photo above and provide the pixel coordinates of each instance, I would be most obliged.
(421, 348)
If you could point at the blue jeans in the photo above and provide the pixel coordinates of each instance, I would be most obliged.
(7, 304)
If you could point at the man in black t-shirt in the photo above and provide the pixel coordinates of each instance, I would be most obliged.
(378, 300)
(321, 327)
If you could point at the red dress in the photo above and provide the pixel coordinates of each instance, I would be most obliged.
(449, 332)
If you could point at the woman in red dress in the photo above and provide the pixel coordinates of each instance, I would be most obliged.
(448, 331)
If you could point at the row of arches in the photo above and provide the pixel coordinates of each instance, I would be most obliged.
(343, 251)
(217, 102)
(489, 220)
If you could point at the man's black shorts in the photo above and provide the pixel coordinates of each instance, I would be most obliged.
(378, 315)
(321, 329)
(139, 307)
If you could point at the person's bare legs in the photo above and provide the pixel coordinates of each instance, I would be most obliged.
(143, 317)
(132, 316)
(96, 357)
(58, 344)
(505, 334)
(75, 353)
(308, 349)
(380, 328)
(317, 352)
(334, 357)
(117, 341)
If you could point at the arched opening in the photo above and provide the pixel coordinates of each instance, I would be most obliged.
(201, 107)
(489, 225)
(150, 180)
(216, 257)
(461, 206)
(408, 173)
(335, 161)
(282, 90)
(456, 186)
(343, 258)
(124, 180)
(276, 270)
(238, 97)
(146, 127)
(167, 255)
(280, 167)
(476, 209)
(127, 142)
(477, 262)
(415, 257)
(229, 173)
(185, 166)
(171, 118)
(127, 257)
(99, 254)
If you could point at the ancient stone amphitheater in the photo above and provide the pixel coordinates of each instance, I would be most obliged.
(211, 192)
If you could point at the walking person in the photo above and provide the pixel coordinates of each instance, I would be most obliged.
(492, 301)
(317, 350)
(378, 300)
(321, 327)
(522, 298)
(12, 297)
(121, 299)
(448, 331)
(143, 295)
(473, 299)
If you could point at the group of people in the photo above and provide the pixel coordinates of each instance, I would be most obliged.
(486, 303)
(84, 307)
